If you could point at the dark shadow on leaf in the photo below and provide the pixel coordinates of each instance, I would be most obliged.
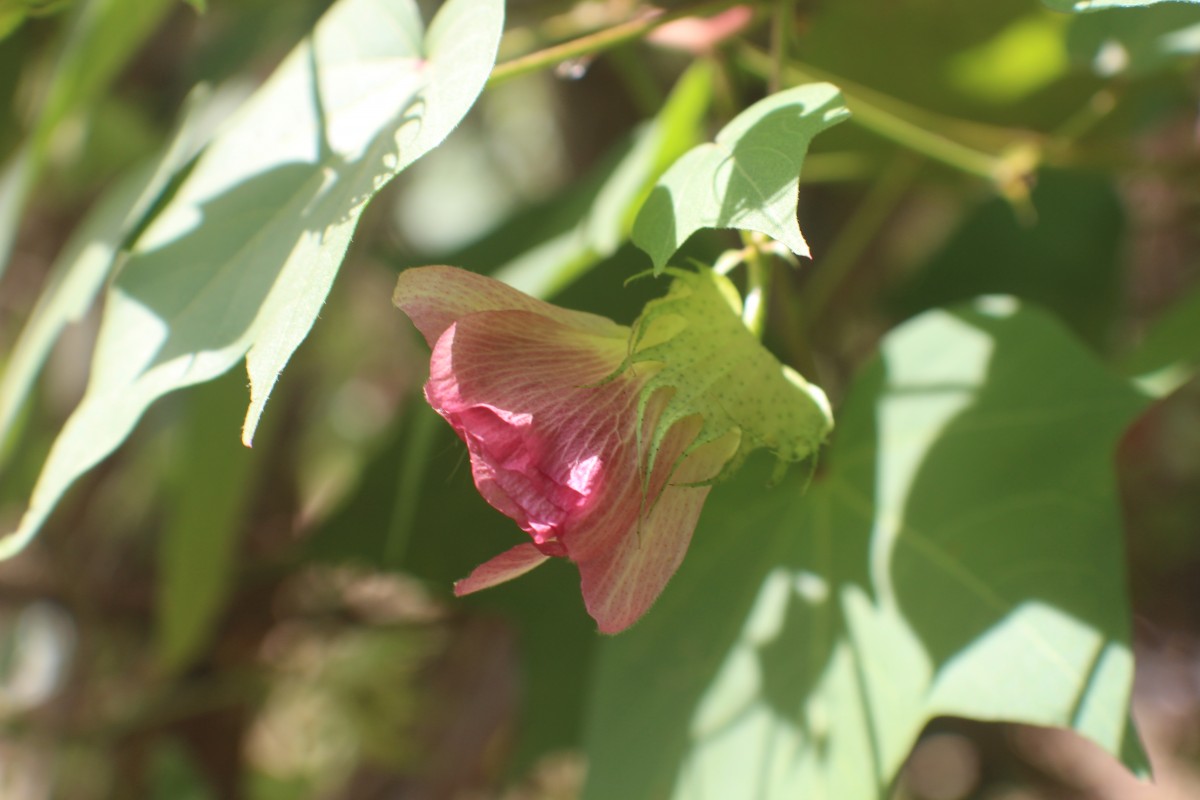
(208, 285)
(654, 228)
(1015, 501)
(655, 680)
(765, 161)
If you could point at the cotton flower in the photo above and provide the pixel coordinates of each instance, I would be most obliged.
(574, 433)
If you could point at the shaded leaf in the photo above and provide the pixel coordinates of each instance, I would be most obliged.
(241, 259)
(962, 555)
(747, 179)
(1075, 241)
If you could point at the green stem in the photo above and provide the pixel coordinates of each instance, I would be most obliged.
(758, 280)
(781, 23)
(897, 122)
(600, 40)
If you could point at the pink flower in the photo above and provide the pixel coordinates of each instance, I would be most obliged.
(548, 407)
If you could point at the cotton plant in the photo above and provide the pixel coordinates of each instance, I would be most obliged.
(602, 441)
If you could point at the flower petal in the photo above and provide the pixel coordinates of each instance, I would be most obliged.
(435, 297)
(624, 565)
(508, 565)
(526, 394)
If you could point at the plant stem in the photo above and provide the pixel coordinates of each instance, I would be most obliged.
(758, 279)
(601, 40)
(781, 24)
(897, 122)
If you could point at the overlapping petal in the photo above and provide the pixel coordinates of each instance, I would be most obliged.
(550, 420)
(600, 444)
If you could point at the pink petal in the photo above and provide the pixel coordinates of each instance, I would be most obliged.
(508, 565)
(523, 391)
(624, 570)
(435, 297)
(700, 35)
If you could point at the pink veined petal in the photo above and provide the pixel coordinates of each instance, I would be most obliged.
(525, 393)
(622, 572)
(510, 564)
(434, 298)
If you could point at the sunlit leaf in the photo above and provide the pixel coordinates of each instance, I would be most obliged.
(241, 259)
(747, 179)
(962, 555)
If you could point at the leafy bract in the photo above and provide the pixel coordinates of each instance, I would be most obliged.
(241, 259)
(713, 366)
(961, 555)
(1097, 5)
(747, 179)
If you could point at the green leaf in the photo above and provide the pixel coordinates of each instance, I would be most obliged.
(606, 220)
(1097, 5)
(241, 259)
(961, 555)
(1135, 41)
(87, 258)
(747, 179)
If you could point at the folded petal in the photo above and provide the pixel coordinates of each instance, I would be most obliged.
(508, 565)
(527, 394)
(435, 297)
(624, 564)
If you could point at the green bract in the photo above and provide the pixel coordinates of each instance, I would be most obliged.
(716, 368)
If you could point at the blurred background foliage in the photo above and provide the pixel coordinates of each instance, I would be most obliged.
(199, 620)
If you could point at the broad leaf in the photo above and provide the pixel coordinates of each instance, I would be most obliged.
(1075, 241)
(962, 555)
(748, 178)
(241, 259)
